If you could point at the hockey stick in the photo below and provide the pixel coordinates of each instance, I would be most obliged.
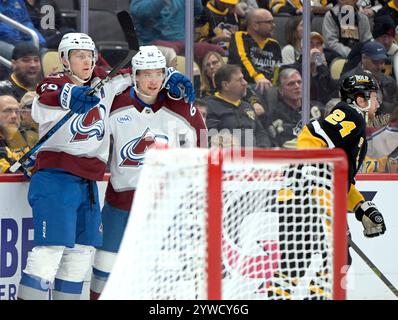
(373, 267)
(127, 25)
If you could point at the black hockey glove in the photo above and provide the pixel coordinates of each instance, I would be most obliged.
(371, 219)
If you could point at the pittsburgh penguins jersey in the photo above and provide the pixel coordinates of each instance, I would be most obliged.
(212, 22)
(258, 60)
(135, 127)
(344, 128)
(81, 145)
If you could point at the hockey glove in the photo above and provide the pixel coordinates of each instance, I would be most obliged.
(371, 219)
(179, 86)
(76, 98)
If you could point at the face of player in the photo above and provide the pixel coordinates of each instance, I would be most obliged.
(374, 104)
(81, 63)
(149, 82)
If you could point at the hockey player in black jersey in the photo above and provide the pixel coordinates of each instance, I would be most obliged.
(345, 128)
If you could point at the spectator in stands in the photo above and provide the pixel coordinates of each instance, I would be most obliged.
(344, 27)
(244, 6)
(382, 137)
(29, 128)
(295, 7)
(286, 7)
(210, 64)
(263, 4)
(12, 142)
(162, 22)
(52, 34)
(284, 121)
(218, 23)
(383, 32)
(26, 71)
(291, 53)
(320, 7)
(9, 35)
(228, 112)
(390, 8)
(369, 7)
(323, 87)
(258, 54)
(373, 59)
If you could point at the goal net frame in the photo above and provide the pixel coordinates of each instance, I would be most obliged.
(216, 159)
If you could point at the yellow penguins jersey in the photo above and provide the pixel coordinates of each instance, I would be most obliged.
(343, 128)
(375, 165)
(213, 22)
(257, 60)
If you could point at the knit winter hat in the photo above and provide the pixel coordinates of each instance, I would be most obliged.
(24, 49)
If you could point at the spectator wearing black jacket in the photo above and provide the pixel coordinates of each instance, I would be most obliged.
(227, 112)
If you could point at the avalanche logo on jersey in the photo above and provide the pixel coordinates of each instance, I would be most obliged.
(89, 125)
(132, 153)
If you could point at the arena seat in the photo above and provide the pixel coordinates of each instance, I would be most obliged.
(336, 67)
(50, 62)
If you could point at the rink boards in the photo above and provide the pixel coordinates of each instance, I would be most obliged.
(16, 235)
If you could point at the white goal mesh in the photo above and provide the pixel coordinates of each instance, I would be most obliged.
(275, 238)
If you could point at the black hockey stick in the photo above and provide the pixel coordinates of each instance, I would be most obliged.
(373, 267)
(126, 23)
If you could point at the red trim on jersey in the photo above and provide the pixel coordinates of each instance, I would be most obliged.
(18, 177)
(121, 200)
(12, 177)
(89, 168)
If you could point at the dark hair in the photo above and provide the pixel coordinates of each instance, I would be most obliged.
(224, 74)
(291, 30)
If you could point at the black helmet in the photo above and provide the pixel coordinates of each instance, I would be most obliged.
(358, 84)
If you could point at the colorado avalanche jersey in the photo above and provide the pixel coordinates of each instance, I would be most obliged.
(136, 126)
(81, 145)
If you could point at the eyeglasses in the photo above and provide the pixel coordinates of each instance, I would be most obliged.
(292, 83)
(9, 111)
(212, 63)
(266, 21)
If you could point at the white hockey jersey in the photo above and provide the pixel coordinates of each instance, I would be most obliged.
(135, 127)
(81, 145)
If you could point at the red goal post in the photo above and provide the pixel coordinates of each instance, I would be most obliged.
(242, 224)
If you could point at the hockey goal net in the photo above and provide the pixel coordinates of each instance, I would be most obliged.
(261, 224)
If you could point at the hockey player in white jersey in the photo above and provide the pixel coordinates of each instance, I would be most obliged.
(63, 192)
(141, 117)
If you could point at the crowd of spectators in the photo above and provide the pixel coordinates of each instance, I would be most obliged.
(262, 91)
